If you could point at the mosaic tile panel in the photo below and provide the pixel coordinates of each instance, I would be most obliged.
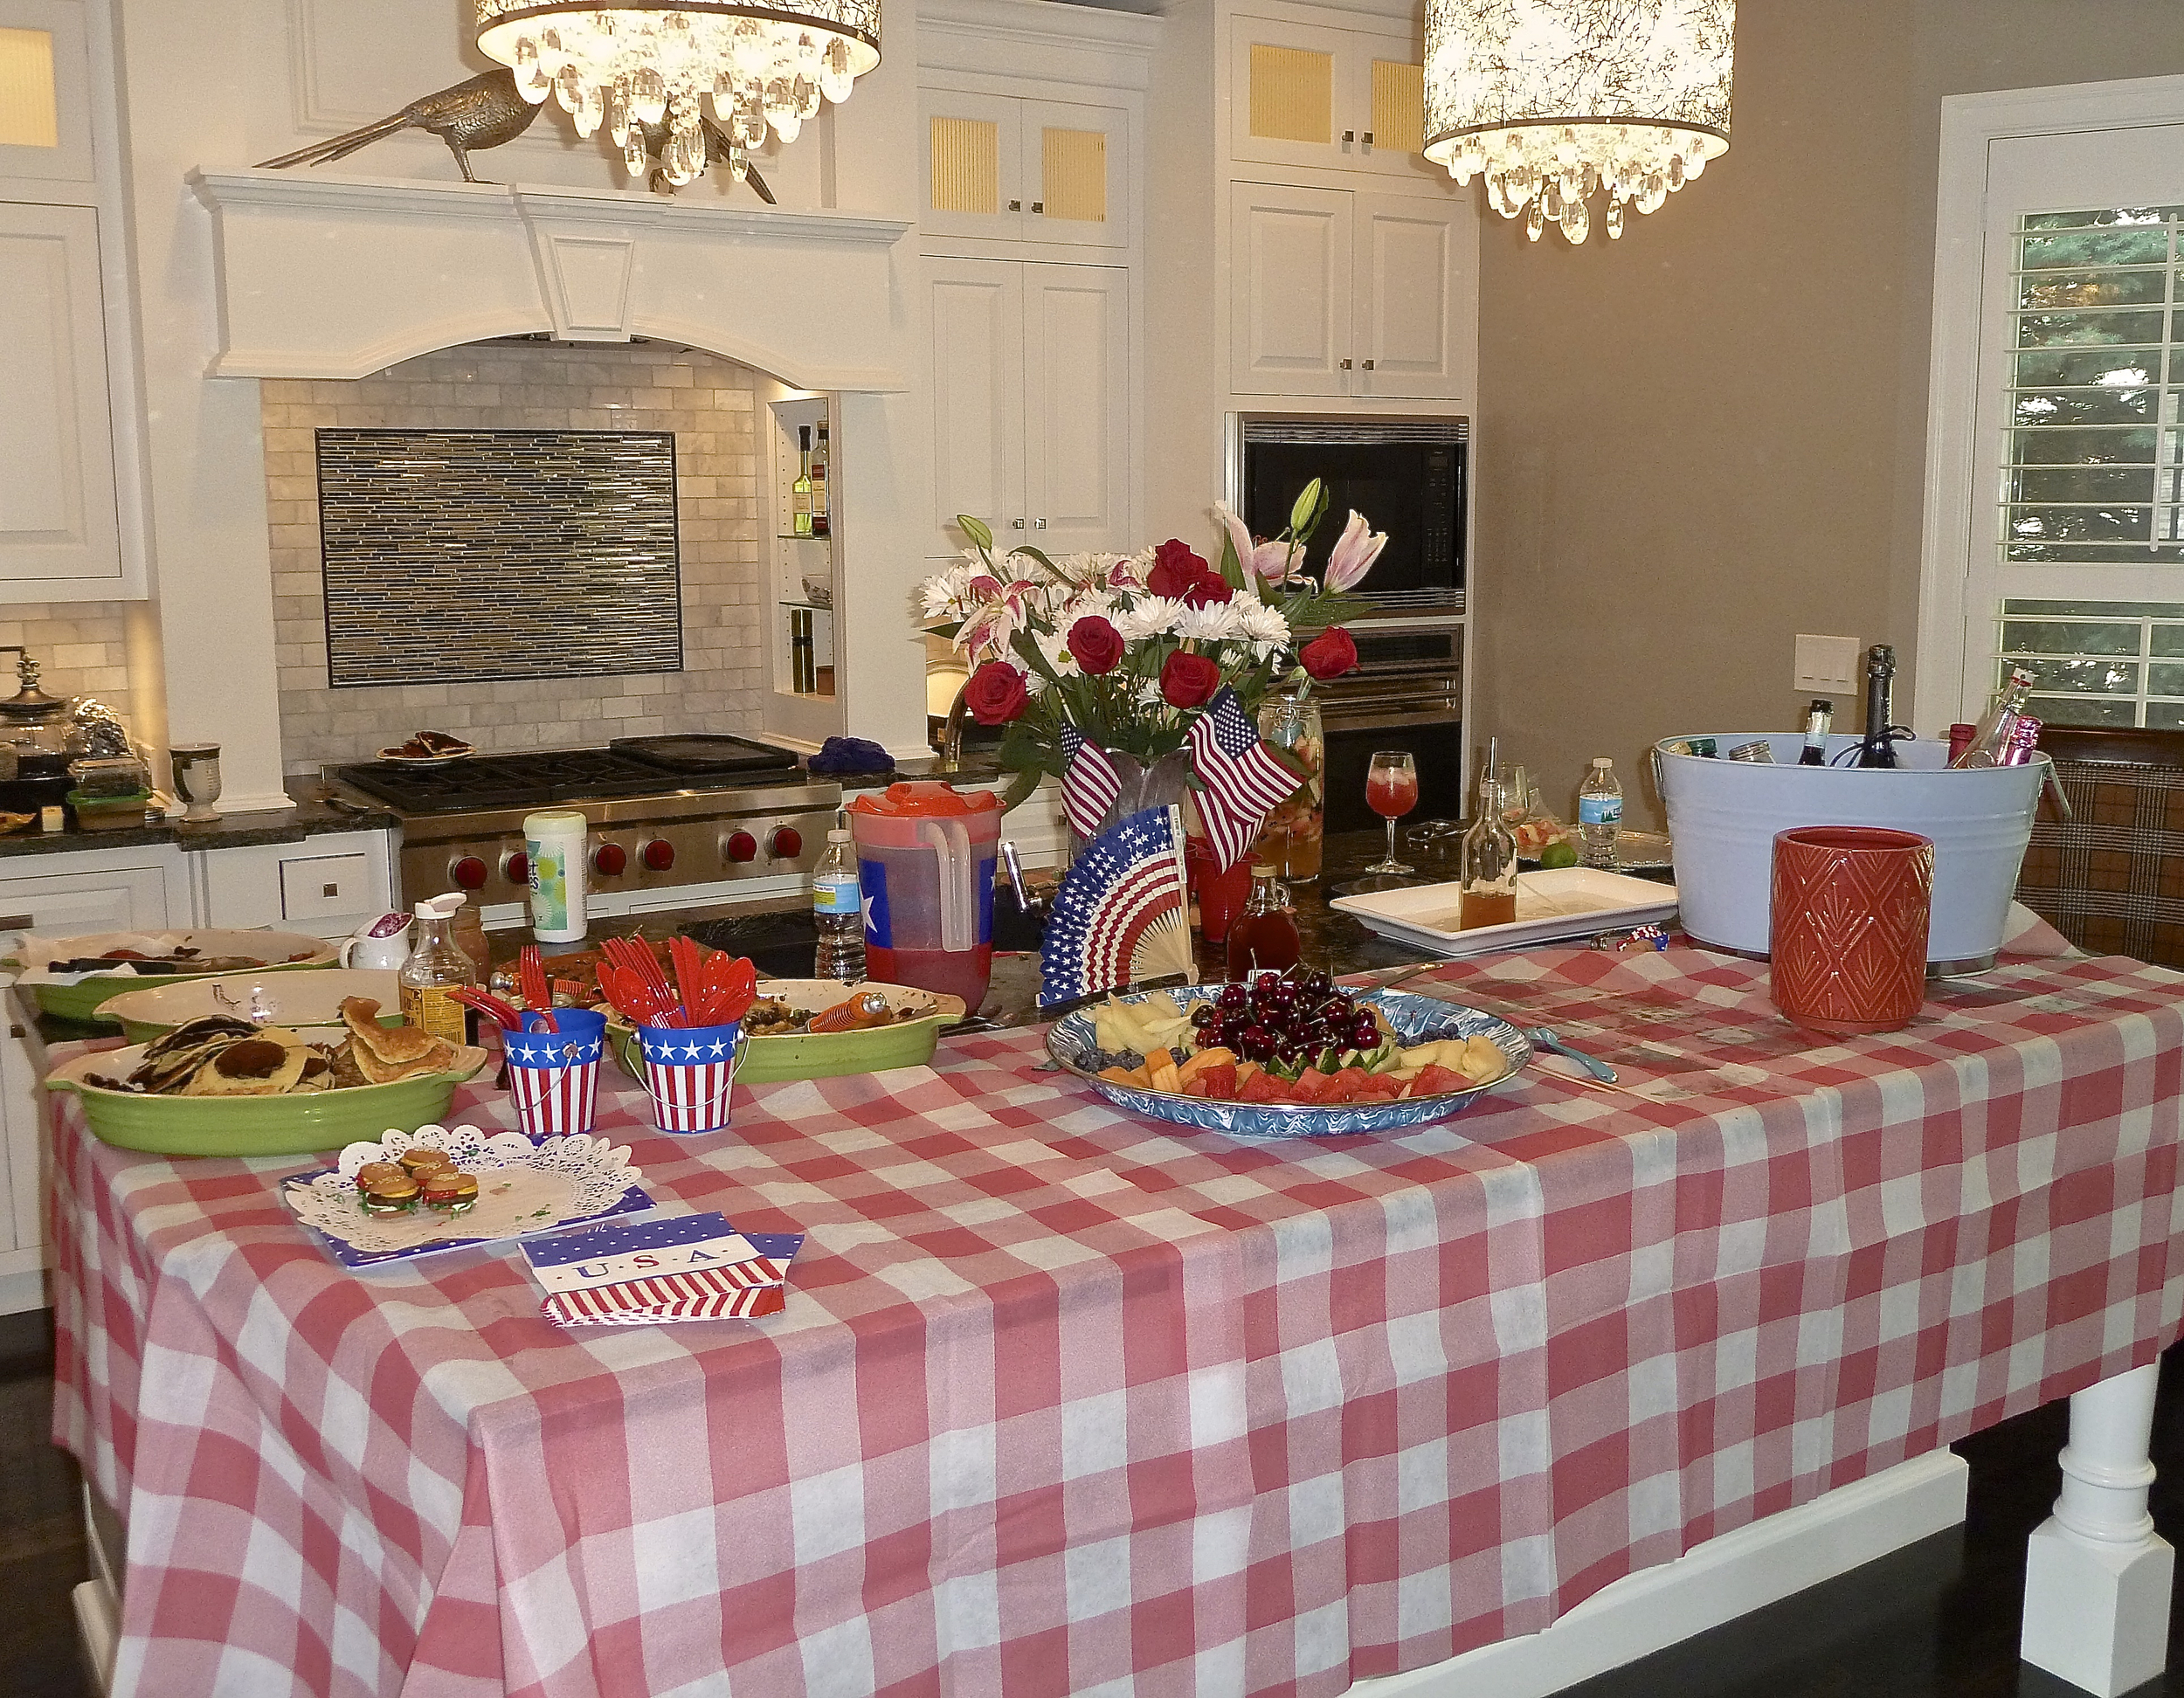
(484, 555)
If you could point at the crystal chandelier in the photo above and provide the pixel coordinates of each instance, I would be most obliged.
(1555, 100)
(638, 68)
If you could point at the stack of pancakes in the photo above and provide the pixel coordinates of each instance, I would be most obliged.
(380, 1055)
(225, 1055)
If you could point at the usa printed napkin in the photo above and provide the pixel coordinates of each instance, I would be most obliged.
(685, 1268)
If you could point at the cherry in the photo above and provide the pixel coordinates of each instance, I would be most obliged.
(1255, 1043)
(1204, 1016)
(1232, 999)
(1318, 986)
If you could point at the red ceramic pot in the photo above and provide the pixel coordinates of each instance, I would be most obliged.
(1851, 904)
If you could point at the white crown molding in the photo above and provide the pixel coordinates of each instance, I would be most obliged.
(1041, 39)
(337, 277)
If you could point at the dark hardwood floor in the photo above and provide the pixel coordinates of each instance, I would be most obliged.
(1937, 1619)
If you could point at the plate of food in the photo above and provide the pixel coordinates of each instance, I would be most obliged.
(72, 978)
(1292, 1056)
(282, 999)
(822, 1028)
(222, 1085)
(1553, 905)
(428, 748)
(416, 1192)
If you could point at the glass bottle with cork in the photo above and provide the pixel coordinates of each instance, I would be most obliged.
(1263, 938)
(1487, 868)
(436, 966)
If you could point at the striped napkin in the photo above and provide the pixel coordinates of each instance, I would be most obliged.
(683, 1267)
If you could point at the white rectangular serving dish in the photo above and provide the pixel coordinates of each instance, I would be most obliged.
(1552, 905)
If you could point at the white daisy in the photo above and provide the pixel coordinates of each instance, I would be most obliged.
(1150, 615)
(1261, 625)
(1213, 623)
(1054, 646)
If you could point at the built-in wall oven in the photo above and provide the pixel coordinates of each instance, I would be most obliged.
(1411, 478)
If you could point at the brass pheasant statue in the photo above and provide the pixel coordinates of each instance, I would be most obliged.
(485, 112)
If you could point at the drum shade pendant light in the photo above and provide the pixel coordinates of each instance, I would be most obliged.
(635, 67)
(1556, 101)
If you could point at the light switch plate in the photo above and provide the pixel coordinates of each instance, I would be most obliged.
(1826, 665)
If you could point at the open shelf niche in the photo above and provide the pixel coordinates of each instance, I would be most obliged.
(801, 584)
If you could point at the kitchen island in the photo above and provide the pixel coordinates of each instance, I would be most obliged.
(1063, 1398)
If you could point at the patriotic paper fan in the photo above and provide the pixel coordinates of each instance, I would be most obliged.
(1122, 913)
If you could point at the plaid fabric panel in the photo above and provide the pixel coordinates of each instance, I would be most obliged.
(1064, 1403)
(2112, 881)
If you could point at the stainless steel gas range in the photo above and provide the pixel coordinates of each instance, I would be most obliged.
(665, 813)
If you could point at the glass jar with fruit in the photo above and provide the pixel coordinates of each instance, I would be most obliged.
(1292, 837)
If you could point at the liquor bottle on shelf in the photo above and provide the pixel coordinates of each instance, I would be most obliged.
(1818, 718)
(821, 519)
(801, 491)
(1877, 749)
(803, 668)
(1991, 737)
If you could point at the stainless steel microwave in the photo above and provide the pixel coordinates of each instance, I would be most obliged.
(1410, 478)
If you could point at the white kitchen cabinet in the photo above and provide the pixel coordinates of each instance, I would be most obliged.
(1346, 99)
(1025, 170)
(46, 72)
(1339, 292)
(1031, 402)
(59, 535)
(60, 896)
(325, 887)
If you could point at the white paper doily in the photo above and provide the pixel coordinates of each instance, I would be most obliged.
(523, 1187)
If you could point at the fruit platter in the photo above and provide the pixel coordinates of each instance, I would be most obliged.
(1292, 1055)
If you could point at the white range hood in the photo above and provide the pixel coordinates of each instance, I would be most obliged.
(337, 277)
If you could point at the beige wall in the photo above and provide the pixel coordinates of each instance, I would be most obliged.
(1700, 440)
(709, 404)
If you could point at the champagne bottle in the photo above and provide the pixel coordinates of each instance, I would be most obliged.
(1818, 718)
(1991, 737)
(1875, 749)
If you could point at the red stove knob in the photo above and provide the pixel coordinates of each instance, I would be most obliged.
(741, 846)
(468, 873)
(786, 843)
(658, 854)
(516, 868)
(609, 858)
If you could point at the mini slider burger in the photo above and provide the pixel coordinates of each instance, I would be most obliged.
(384, 1189)
(449, 1190)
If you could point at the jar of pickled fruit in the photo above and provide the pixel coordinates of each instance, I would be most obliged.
(1292, 836)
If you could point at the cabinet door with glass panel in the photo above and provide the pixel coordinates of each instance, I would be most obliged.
(1333, 98)
(2078, 577)
(1025, 170)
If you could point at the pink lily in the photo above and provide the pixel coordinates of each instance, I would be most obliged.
(1267, 560)
(1355, 551)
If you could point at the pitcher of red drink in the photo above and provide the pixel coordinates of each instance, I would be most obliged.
(925, 856)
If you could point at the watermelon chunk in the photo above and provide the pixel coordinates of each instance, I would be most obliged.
(1264, 1087)
(1433, 1079)
(1313, 1086)
(1220, 1081)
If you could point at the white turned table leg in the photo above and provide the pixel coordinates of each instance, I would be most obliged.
(2097, 1576)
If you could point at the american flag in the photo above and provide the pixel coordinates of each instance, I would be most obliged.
(1239, 781)
(1089, 784)
(554, 1081)
(689, 1072)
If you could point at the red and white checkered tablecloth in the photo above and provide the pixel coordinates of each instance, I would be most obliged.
(1062, 1401)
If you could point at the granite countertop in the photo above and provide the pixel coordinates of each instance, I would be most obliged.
(311, 817)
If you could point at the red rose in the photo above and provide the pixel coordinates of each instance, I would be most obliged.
(1328, 655)
(1097, 644)
(1175, 569)
(1210, 588)
(1189, 680)
(995, 693)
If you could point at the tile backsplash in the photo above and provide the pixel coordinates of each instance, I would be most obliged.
(81, 647)
(709, 405)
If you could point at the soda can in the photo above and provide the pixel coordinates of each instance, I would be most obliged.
(1960, 737)
(2024, 743)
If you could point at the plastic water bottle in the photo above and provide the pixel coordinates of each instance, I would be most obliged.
(1600, 813)
(838, 910)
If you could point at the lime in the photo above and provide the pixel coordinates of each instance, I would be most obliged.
(1564, 853)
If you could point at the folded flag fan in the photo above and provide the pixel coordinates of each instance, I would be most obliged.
(1120, 914)
(687, 1267)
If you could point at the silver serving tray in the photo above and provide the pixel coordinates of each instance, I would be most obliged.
(1416, 1019)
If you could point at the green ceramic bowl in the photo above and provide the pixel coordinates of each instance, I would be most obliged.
(254, 1125)
(81, 1000)
(827, 1054)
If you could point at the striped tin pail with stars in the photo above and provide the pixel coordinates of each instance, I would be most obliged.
(688, 1071)
(554, 1076)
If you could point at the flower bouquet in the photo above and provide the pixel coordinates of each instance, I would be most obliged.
(1113, 673)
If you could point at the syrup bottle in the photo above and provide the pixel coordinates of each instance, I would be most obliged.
(1263, 938)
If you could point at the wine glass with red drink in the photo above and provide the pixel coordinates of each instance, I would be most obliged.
(1391, 791)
